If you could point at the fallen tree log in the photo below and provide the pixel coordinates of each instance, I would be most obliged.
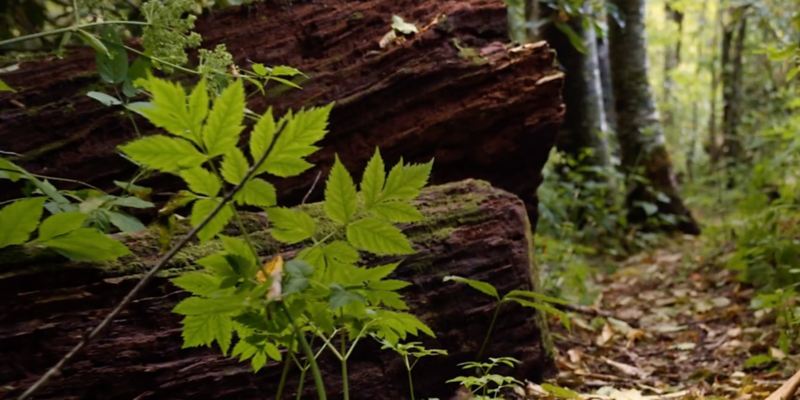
(455, 91)
(471, 229)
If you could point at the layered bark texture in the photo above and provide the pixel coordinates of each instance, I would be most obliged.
(455, 91)
(639, 130)
(471, 229)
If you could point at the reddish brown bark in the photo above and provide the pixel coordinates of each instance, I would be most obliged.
(472, 230)
(493, 117)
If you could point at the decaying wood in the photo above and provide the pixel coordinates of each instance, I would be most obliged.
(455, 91)
(471, 230)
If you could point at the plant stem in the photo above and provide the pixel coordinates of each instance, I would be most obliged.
(318, 382)
(410, 379)
(73, 28)
(284, 374)
(301, 383)
(345, 383)
(489, 331)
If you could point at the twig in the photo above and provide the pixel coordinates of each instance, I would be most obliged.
(787, 390)
(145, 279)
(311, 189)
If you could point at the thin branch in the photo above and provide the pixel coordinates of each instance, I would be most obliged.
(311, 189)
(145, 279)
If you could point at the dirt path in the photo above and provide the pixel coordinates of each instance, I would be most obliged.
(670, 324)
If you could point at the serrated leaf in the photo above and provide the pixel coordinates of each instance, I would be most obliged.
(163, 153)
(167, 108)
(262, 136)
(60, 224)
(201, 181)
(395, 211)
(257, 192)
(87, 244)
(341, 297)
(198, 283)
(19, 219)
(198, 108)
(224, 123)
(203, 330)
(378, 237)
(290, 226)
(296, 141)
(340, 194)
(483, 287)
(234, 166)
(373, 179)
(405, 181)
(224, 305)
(201, 209)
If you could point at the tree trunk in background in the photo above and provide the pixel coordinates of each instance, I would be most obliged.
(639, 131)
(714, 141)
(471, 229)
(585, 121)
(604, 62)
(672, 58)
(733, 43)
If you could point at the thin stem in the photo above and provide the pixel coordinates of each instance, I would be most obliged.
(284, 374)
(410, 379)
(301, 383)
(75, 11)
(345, 382)
(146, 279)
(73, 28)
(318, 382)
(54, 178)
(489, 331)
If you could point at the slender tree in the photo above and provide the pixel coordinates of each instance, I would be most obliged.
(733, 42)
(585, 121)
(639, 130)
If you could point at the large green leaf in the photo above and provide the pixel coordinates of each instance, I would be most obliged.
(163, 153)
(290, 226)
(405, 181)
(396, 211)
(224, 123)
(262, 136)
(201, 209)
(257, 192)
(87, 244)
(296, 141)
(198, 283)
(340, 194)
(60, 224)
(19, 219)
(201, 181)
(373, 179)
(378, 237)
(202, 330)
(234, 166)
(167, 108)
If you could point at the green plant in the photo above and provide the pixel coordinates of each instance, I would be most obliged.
(412, 353)
(525, 298)
(485, 385)
(78, 219)
(324, 292)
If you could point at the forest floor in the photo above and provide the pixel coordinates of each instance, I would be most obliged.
(670, 324)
